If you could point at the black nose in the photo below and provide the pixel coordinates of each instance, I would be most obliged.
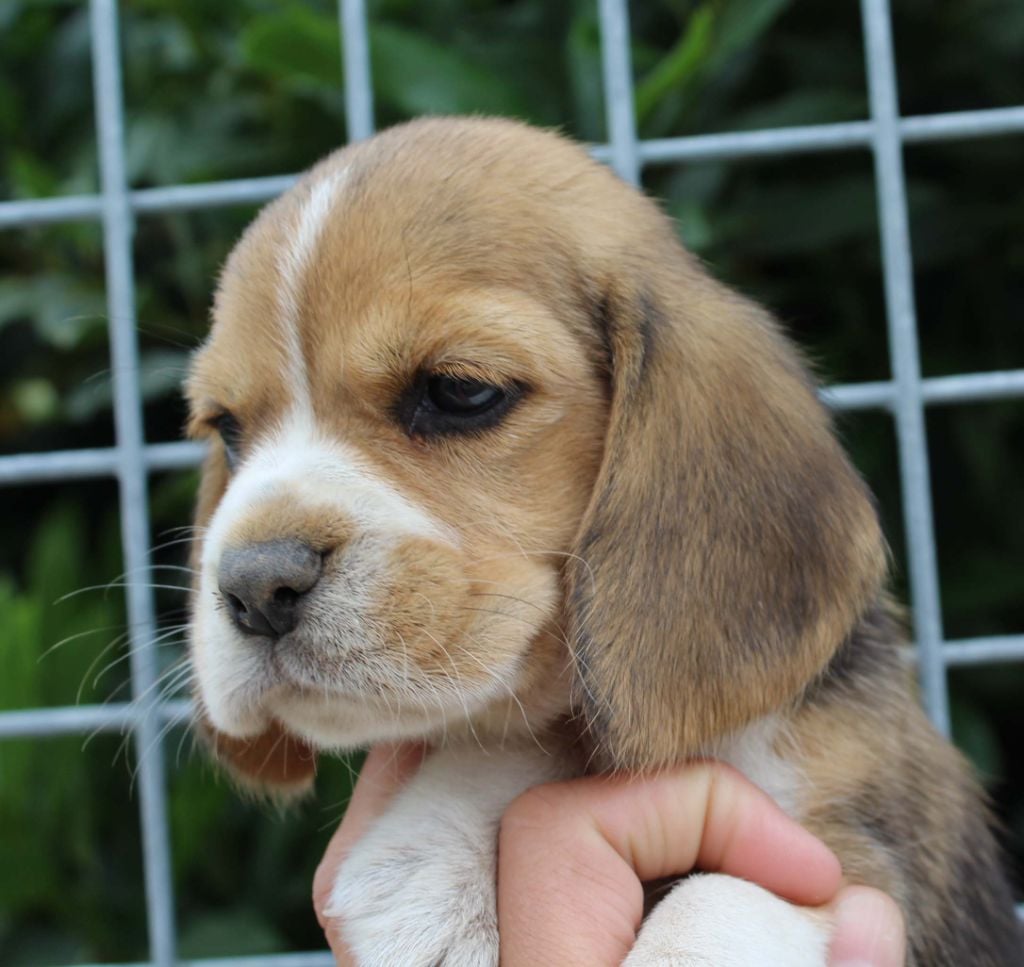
(262, 584)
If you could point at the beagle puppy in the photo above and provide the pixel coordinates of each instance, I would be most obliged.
(496, 464)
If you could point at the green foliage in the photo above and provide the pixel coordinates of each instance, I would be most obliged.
(243, 88)
(59, 801)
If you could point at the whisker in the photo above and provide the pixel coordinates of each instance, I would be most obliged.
(494, 676)
(120, 584)
(507, 597)
(558, 636)
(160, 640)
(103, 653)
(81, 634)
(174, 543)
(183, 529)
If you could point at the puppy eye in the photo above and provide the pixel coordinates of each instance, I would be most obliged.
(230, 431)
(440, 403)
(462, 397)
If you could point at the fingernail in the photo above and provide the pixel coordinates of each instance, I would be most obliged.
(868, 931)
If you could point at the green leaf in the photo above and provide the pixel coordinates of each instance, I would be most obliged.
(798, 219)
(296, 45)
(680, 66)
(31, 176)
(413, 74)
(417, 76)
(583, 54)
(740, 24)
(713, 34)
(35, 399)
(800, 107)
(160, 374)
(19, 634)
(64, 309)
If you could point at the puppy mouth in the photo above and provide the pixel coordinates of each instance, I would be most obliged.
(311, 668)
(353, 699)
(301, 665)
(324, 705)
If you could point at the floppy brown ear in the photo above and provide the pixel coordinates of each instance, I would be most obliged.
(274, 762)
(729, 546)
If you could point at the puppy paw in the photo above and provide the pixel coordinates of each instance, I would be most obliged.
(418, 901)
(713, 920)
(419, 889)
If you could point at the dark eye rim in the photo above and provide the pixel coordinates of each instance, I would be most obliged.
(228, 427)
(421, 416)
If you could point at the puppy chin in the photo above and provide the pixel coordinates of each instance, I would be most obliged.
(236, 717)
(341, 723)
(244, 689)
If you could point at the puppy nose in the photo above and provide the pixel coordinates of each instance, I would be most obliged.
(262, 584)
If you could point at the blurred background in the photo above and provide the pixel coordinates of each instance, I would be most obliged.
(244, 88)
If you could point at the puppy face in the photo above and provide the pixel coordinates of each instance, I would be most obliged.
(406, 427)
(486, 441)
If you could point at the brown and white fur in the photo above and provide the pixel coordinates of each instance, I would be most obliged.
(659, 551)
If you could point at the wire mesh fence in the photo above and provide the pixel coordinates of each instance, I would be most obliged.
(131, 461)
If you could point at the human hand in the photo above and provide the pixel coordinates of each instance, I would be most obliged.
(611, 834)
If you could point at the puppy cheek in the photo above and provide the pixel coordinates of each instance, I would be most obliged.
(423, 605)
(514, 599)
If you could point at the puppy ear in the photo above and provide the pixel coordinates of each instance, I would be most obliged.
(729, 546)
(274, 762)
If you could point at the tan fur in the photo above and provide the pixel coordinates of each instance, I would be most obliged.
(661, 543)
(281, 518)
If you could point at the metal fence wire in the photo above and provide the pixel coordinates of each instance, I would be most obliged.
(131, 460)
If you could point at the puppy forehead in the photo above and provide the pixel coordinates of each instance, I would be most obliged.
(334, 347)
(369, 249)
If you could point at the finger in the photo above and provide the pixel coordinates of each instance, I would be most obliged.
(387, 768)
(572, 857)
(869, 930)
(747, 835)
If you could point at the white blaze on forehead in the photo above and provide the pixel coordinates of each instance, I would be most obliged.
(295, 256)
(309, 468)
